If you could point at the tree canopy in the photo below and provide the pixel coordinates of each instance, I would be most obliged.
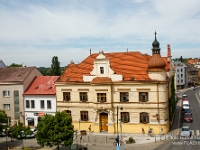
(15, 65)
(21, 132)
(55, 130)
(55, 67)
(3, 119)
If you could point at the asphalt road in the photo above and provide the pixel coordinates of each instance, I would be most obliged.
(194, 142)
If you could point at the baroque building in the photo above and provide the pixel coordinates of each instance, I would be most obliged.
(119, 91)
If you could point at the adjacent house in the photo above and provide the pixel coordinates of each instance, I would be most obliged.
(13, 82)
(195, 62)
(2, 65)
(180, 75)
(192, 74)
(39, 99)
(127, 91)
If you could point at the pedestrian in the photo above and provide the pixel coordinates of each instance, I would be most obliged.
(117, 140)
(143, 132)
(11, 136)
(85, 146)
(89, 128)
(161, 130)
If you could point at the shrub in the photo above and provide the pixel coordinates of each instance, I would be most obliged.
(130, 140)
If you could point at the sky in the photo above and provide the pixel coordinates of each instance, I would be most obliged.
(33, 31)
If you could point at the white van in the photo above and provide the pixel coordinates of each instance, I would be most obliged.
(186, 105)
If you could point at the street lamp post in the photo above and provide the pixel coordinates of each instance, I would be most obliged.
(117, 124)
(6, 131)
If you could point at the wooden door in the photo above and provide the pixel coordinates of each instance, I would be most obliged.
(104, 121)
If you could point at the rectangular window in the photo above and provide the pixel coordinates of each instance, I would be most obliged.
(102, 70)
(6, 93)
(143, 96)
(42, 104)
(84, 115)
(124, 96)
(101, 97)
(48, 104)
(32, 104)
(83, 96)
(144, 117)
(30, 121)
(125, 117)
(27, 104)
(68, 112)
(6, 106)
(66, 96)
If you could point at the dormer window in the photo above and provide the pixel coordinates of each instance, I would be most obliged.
(102, 70)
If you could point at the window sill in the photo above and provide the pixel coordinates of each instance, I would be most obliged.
(65, 101)
(125, 121)
(83, 101)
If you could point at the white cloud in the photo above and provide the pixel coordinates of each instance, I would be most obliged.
(57, 27)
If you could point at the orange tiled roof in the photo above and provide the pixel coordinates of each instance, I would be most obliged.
(42, 85)
(192, 61)
(101, 80)
(129, 64)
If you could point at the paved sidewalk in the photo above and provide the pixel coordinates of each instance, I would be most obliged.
(95, 141)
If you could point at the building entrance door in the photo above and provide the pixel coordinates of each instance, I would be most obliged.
(104, 121)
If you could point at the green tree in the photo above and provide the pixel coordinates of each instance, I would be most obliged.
(21, 132)
(3, 119)
(55, 130)
(15, 65)
(55, 67)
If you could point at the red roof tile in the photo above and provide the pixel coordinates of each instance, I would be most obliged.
(42, 85)
(129, 64)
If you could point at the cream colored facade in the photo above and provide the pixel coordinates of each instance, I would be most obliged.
(105, 116)
(157, 104)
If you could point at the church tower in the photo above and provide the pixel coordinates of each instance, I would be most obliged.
(156, 64)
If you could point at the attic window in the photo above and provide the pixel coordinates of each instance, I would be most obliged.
(19, 75)
(67, 79)
(102, 70)
(50, 87)
(36, 87)
(132, 78)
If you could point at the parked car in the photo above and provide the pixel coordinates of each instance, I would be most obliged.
(188, 117)
(184, 95)
(2, 134)
(186, 99)
(186, 106)
(192, 88)
(186, 132)
(32, 135)
(34, 131)
(187, 111)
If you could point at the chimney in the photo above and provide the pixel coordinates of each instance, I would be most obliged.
(168, 50)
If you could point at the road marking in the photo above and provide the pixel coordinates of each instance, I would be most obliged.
(197, 132)
(196, 94)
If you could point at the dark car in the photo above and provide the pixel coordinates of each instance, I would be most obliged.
(188, 117)
(187, 111)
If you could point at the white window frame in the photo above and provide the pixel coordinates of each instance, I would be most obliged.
(41, 104)
(6, 93)
(48, 101)
(6, 106)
